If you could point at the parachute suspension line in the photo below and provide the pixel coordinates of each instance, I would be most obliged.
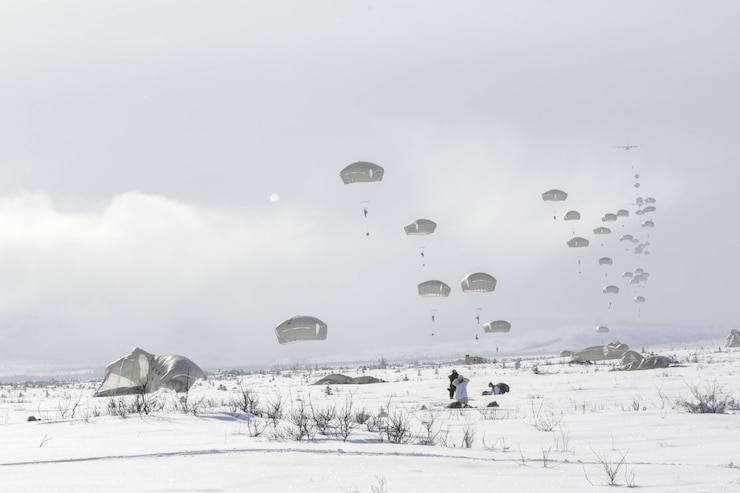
(364, 204)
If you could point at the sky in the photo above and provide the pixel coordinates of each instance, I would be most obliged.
(142, 143)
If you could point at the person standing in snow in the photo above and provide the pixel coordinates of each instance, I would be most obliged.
(461, 390)
(451, 388)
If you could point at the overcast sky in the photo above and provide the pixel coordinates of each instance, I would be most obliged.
(141, 141)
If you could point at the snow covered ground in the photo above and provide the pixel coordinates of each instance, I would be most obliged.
(561, 428)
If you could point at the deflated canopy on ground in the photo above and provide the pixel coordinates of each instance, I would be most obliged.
(143, 372)
(733, 339)
(361, 172)
(301, 328)
(612, 350)
(632, 360)
(339, 379)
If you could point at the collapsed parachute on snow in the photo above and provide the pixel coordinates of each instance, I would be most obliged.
(142, 372)
(612, 350)
(301, 328)
(632, 360)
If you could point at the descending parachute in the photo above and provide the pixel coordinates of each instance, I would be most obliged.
(420, 227)
(434, 289)
(497, 326)
(648, 224)
(301, 328)
(611, 289)
(602, 231)
(605, 261)
(554, 195)
(577, 242)
(639, 299)
(601, 329)
(478, 282)
(572, 216)
(361, 172)
(609, 216)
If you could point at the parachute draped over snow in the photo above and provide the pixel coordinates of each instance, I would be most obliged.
(142, 372)
(301, 328)
(733, 339)
(478, 282)
(612, 350)
(420, 227)
(434, 289)
(497, 326)
(361, 172)
(632, 360)
(554, 195)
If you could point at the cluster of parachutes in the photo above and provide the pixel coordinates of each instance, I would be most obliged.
(643, 209)
(309, 328)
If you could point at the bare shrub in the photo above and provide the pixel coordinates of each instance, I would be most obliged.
(300, 424)
(430, 430)
(322, 418)
(275, 409)
(611, 467)
(344, 421)
(707, 399)
(246, 400)
(544, 420)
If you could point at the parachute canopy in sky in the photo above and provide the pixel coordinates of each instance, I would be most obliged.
(602, 231)
(601, 329)
(554, 195)
(301, 328)
(434, 289)
(605, 261)
(577, 242)
(361, 172)
(478, 282)
(611, 289)
(572, 216)
(497, 326)
(609, 216)
(420, 227)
